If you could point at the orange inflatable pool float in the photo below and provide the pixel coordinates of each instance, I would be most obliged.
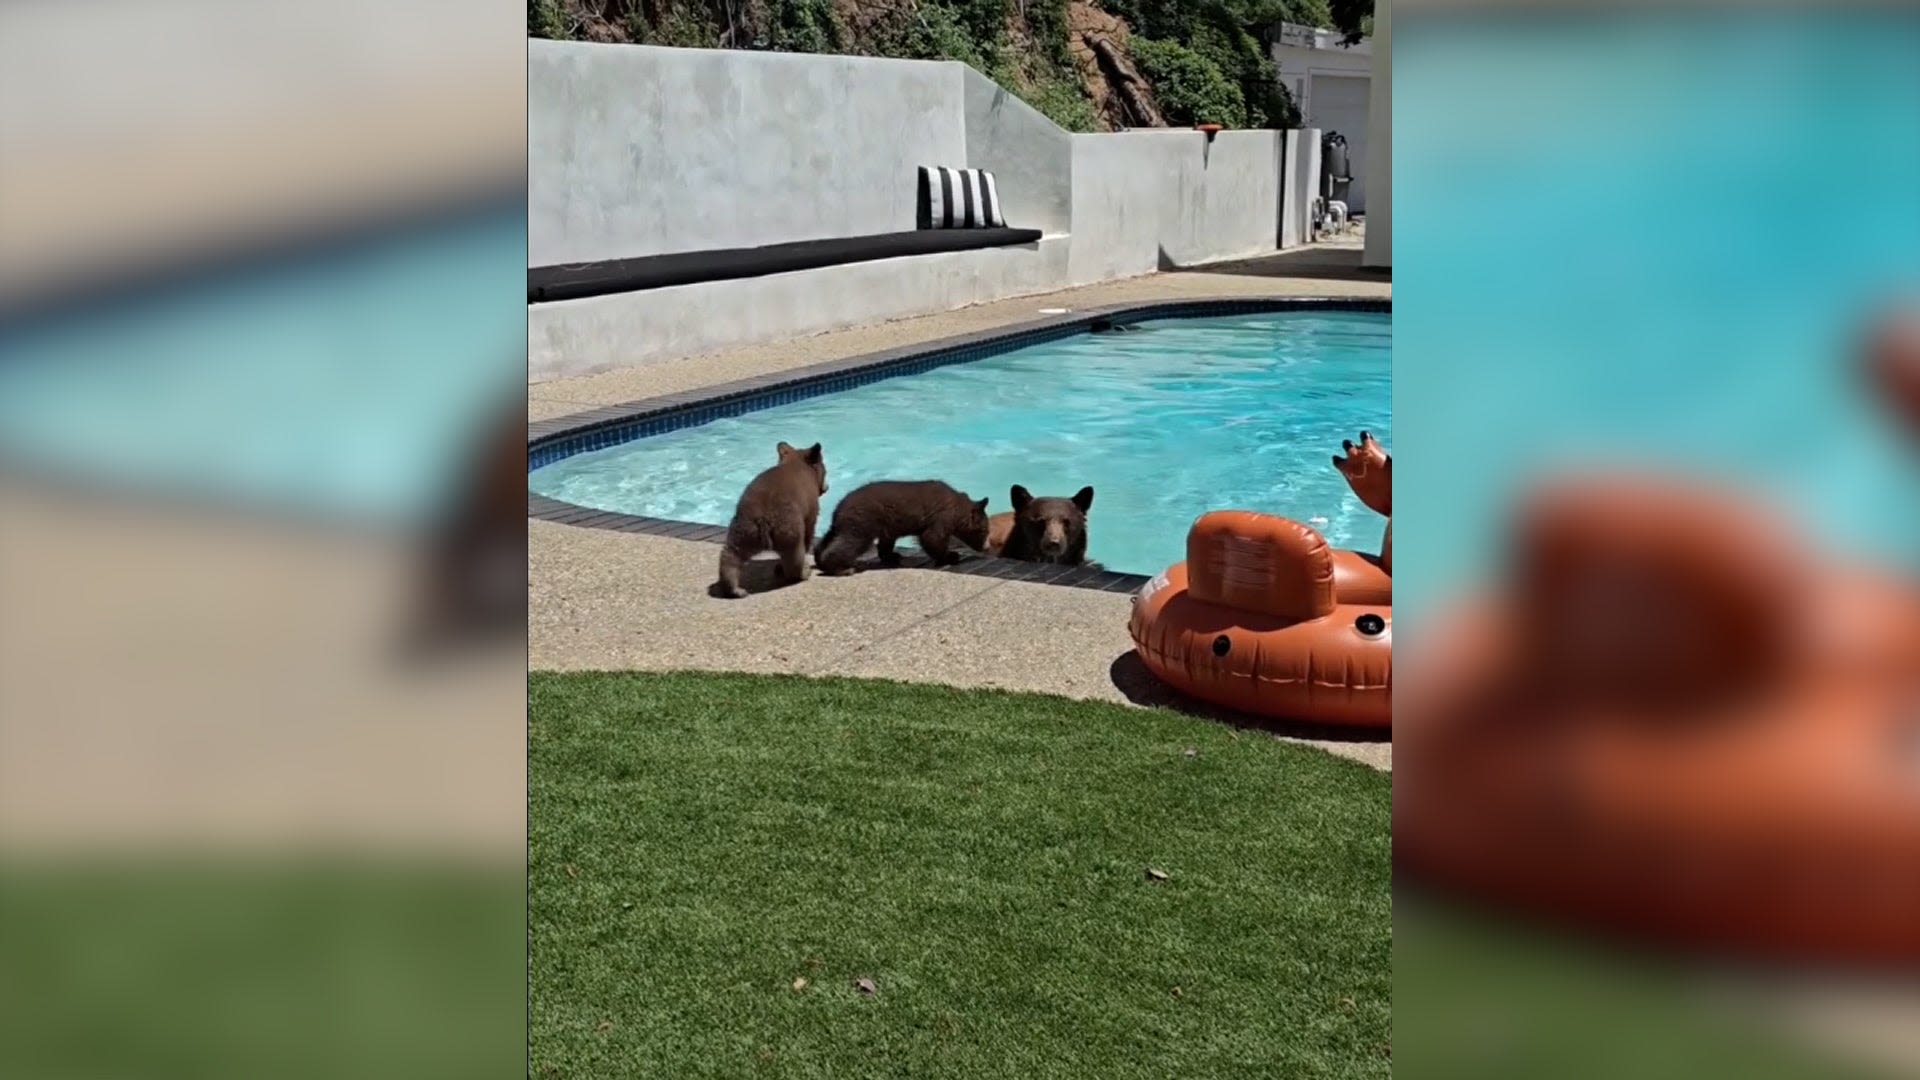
(1267, 618)
(1673, 725)
(1675, 721)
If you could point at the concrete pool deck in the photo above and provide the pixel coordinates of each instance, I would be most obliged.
(609, 600)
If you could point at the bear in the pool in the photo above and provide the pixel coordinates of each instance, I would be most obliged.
(1045, 529)
(886, 510)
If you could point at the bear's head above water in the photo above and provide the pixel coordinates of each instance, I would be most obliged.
(1049, 529)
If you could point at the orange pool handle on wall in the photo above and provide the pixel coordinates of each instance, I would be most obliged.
(1267, 618)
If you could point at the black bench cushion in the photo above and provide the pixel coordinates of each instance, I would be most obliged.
(577, 280)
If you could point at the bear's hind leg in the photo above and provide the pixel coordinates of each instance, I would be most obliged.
(731, 565)
(838, 552)
(793, 561)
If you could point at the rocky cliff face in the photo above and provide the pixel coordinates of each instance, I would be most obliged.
(1099, 42)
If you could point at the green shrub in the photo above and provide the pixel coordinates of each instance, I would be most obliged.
(1058, 95)
(1047, 22)
(983, 21)
(544, 20)
(1065, 102)
(1307, 12)
(805, 26)
(1354, 18)
(1191, 88)
(1245, 61)
(688, 25)
(1229, 36)
(1206, 59)
(936, 32)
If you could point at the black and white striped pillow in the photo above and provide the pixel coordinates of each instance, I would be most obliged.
(959, 199)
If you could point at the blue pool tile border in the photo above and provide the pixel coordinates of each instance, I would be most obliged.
(562, 437)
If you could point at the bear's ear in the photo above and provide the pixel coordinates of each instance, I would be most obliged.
(1021, 497)
(813, 454)
(981, 506)
(1083, 499)
(783, 450)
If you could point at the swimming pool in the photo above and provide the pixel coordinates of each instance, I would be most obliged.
(1166, 419)
(346, 384)
(1638, 263)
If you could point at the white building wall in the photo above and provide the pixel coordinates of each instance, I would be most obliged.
(1379, 251)
(1331, 84)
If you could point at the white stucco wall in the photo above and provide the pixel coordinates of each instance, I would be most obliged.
(1300, 183)
(1030, 156)
(1379, 251)
(600, 333)
(636, 150)
(1144, 198)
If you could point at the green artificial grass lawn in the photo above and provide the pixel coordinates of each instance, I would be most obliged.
(248, 967)
(1480, 998)
(700, 842)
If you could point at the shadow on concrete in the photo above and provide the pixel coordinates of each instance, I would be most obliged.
(762, 572)
(1323, 263)
(1131, 677)
(760, 575)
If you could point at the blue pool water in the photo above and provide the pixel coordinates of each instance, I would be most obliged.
(349, 384)
(1662, 254)
(1181, 417)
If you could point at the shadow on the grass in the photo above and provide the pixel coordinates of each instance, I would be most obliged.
(1131, 677)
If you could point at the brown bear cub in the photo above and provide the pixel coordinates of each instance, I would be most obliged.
(1048, 530)
(777, 513)
(886, 510)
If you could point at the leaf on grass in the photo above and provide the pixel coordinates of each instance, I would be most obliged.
(603, 1026)
(572, 870)
(1176, 992)
(1156, 875)
(1191, 752)
(1347, 1003)
(865, 986)
(800, 983)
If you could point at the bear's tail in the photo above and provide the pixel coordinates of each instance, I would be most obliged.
(821, 545)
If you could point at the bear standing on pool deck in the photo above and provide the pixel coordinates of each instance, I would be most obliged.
(777, 513)
(1046, 529)
(886, 510)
